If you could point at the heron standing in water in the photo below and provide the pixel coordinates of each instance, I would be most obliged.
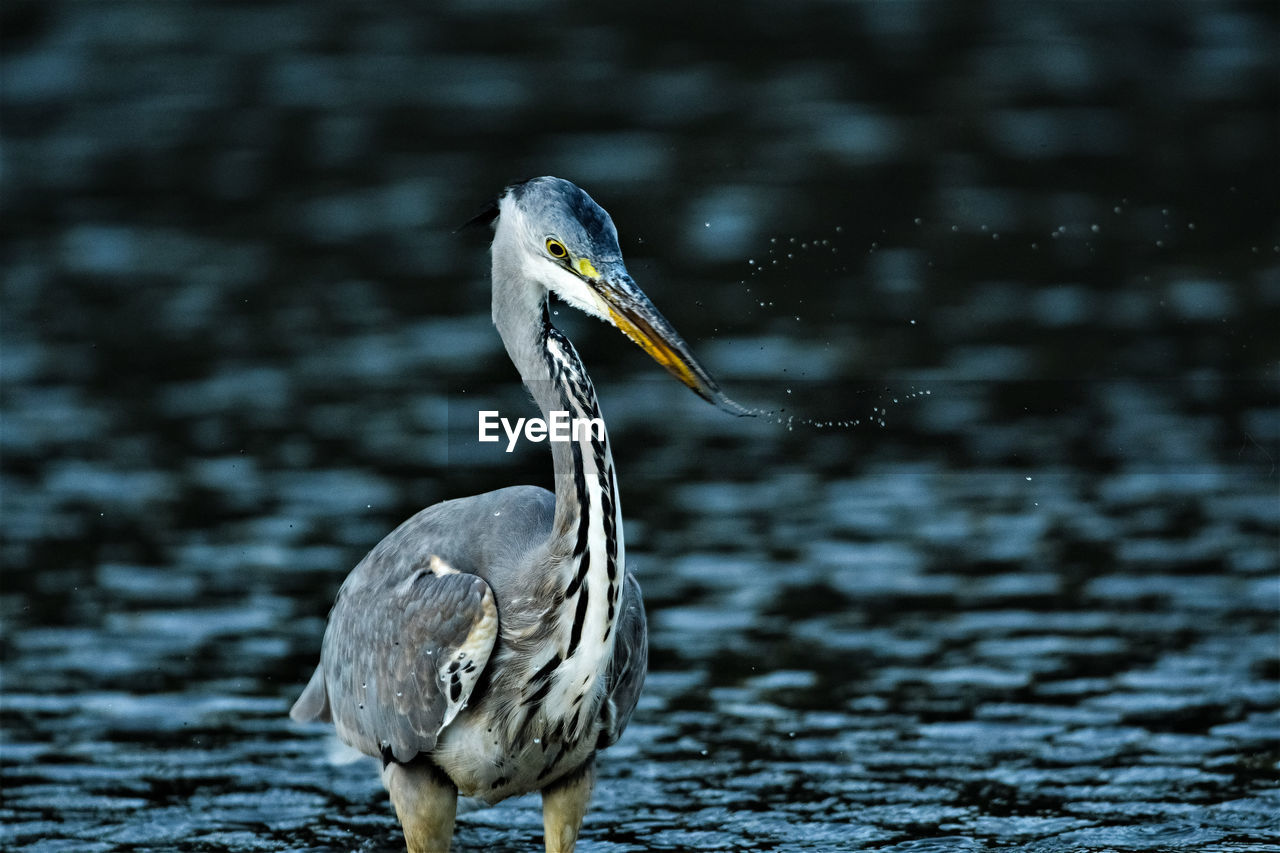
(490, 646)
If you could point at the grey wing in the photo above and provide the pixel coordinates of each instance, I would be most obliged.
(629, 665)
(409, 636)
(399, 663)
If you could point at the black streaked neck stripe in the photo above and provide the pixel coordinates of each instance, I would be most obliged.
(578, 397)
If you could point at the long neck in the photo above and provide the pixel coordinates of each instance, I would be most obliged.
(585, 551)
(554, 374)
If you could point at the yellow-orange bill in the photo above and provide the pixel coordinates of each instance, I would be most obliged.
(633, 313)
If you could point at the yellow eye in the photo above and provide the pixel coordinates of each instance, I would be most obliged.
(556, 249)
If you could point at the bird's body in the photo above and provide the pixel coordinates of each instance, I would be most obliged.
(492, 748)
(489, 646)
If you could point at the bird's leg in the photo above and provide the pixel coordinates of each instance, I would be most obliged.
(564, 804)
(426, 802)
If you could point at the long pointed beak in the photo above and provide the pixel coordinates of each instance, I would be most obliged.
(633, 313)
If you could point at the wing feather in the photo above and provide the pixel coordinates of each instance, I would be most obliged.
(629, 665)
(399, 663)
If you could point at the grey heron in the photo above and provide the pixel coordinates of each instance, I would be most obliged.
(491, 645)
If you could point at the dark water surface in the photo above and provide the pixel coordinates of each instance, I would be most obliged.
(1029, 602)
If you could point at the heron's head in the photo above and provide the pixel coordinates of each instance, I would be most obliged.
(551, 232)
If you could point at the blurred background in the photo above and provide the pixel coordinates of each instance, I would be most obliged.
(1004, 576)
